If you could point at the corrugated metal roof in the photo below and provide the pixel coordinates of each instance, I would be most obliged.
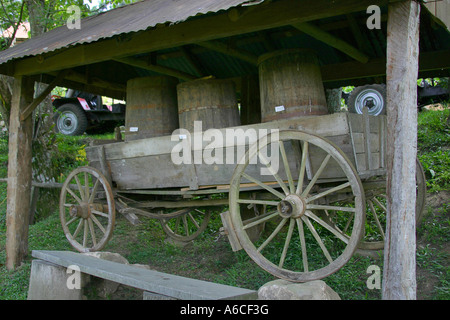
(131, 18)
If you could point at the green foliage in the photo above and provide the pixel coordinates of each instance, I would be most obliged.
(434, 148)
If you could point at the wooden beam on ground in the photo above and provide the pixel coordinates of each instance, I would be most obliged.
(233, 52)
(28, 110)
(155, 68)
(211, 27)
(399, 271)
(19, 174)
(332, 41)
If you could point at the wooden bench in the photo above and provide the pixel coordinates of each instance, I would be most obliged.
(153, 283)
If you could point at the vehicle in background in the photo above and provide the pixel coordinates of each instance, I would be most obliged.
(373, 96)
(80, 111)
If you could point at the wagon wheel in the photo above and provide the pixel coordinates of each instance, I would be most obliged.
(298, 244)
(376, 212)
(87, 220)
(187, 224)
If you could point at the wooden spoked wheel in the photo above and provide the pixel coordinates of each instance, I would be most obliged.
(187, 225)
(86, 209)
(298, 244)
(376, 212)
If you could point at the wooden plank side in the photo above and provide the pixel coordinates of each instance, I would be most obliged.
(149, 280)
(327, 125)
(148, 163)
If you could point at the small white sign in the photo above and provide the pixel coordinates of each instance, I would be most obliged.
(183, 137)
(134, 129)
(279, 108)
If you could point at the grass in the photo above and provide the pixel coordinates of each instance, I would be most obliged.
(210, 256)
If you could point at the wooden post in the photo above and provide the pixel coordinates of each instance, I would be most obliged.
(399, 274)
(19, 174)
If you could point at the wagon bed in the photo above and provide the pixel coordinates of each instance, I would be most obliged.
(147, 164)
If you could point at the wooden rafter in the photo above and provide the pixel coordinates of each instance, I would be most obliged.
(156, 68)
(332, 41)
(233, 52)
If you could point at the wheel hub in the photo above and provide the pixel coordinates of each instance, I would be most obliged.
(293, 206)
(84, 210)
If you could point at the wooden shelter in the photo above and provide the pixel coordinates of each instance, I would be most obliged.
(191, 39)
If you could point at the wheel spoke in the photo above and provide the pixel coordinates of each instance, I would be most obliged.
(71, 220)
(322, 194)
(324, 207)
(85, 235)
(98, 224)
(86, 185)
(74, 195)
(287, 242)
(250, 201)
(78, 229)
(193, 220)
(100, 213)
(91, 228)
(301, 175)
(327, 226)
(377, 221)
(317, 237)
(317, 175)
(273, 234)
(186, 227)
(273, 172)
(94, 191)
(286, 167)
(378, 203)
(301, 234)
(262, 184)
(80, 188)
(261, 219)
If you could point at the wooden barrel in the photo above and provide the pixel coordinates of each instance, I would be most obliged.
(152, 109)
(212, 101)
(290, 85)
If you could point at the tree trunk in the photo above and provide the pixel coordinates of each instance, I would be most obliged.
(399, 275)
(6, 85)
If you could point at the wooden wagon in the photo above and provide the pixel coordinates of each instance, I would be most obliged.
(294, 185)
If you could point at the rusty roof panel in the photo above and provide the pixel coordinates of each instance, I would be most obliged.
(131, 18)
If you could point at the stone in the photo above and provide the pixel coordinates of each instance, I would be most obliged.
(105, 288)
(110, 256)
(286, 290)
(51, 282)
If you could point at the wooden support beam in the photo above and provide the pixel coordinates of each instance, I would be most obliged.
(19, 174)
(399, 271)
(217, 26)
(428, 61)
(193, 61)
(233, 52)
(155, 68)
(28, 110)
(332, 40)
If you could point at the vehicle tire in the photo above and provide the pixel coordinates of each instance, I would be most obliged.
(70, 120)
(373, 96)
